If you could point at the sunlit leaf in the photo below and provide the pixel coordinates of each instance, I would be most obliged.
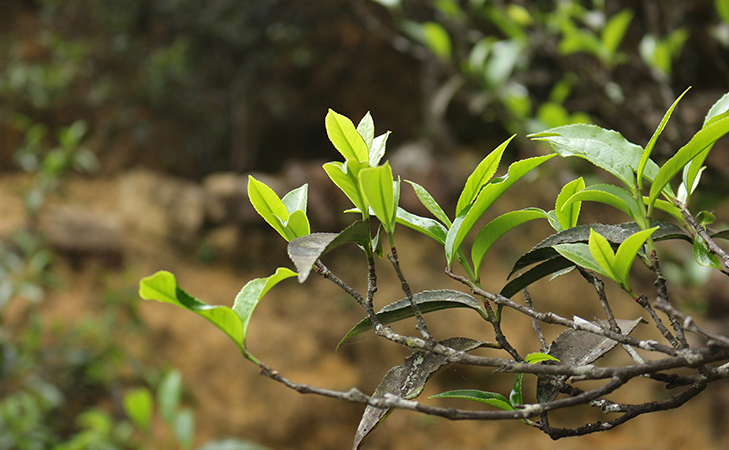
(602, 253)
(581, 255)
(296, 199)
(377, 150)
(537, 357)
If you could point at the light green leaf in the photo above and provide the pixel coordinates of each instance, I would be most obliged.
(537, 357)
(497, 228)
(430, 204)
(169, 393)
(377, 150)
(377, 186)
(698, 143)
(138, 406)
(603, 254)
(162, 287)
(428, 227)
(489, 398)
(366, 129)
(606, 149)
(703, 256)
(427, 301)
(625, 255)
(615, 29)
(267, 204)
(609, 194)
(437, 39)
(345, 138)
(344, 175)
(580, 255)
(296, 200)
(569, 214)
(305, 250)
(467, 219)
(480, 177)
(652, 142)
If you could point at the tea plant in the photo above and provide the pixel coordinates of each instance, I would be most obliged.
(640, 187)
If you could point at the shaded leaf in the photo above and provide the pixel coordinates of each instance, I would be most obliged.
(427, 301)
(304, 251)
(578, 348)
(407, 381)
(609, 194)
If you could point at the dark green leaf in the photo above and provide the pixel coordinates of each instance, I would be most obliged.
(304, 251)
(427, 301)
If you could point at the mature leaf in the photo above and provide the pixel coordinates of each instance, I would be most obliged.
(699, 142)
(430, 204)
(366, 129)
(427, 301)
(377, 150)
(162, 287)
(304, 251)
(652, 142)
(377, 186)
(467, 219)
(489, 398)
(480, 177)
(497, 228)
(138, 406)
(345, 138)
(578, 348)
(252, 293)
(567, 215)
(344, 175)
(425, 225)
(407, 381)
(606, 149)
(268, 205)
(296, 199)
(581, 255)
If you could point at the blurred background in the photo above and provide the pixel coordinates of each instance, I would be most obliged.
(128, 129)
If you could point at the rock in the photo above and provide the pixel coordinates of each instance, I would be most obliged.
(162, 205)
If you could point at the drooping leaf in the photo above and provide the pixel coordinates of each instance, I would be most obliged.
(304, 251)
(366, 129)
(252, 293)
(162, 287)
(344, 175)
(407, 381)
(497, 228)
(377, 186)
(345, 138)
(652, 142)
(489, 398)
(606, 149)
(427, 226)
(430, 204)
(698, 143)
(138, 406)
(489, 193)
(567, 215)
(377, 151)
(480, 177)
(427, 301)
(578, 348)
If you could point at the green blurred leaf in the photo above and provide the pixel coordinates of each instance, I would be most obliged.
(345, 138)
(569, 214)
(480, 177)
(169, 393)
(138, 406)
(722, 7)
(489, 398)
(497, 228)
(427, 301)
(377, 186)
